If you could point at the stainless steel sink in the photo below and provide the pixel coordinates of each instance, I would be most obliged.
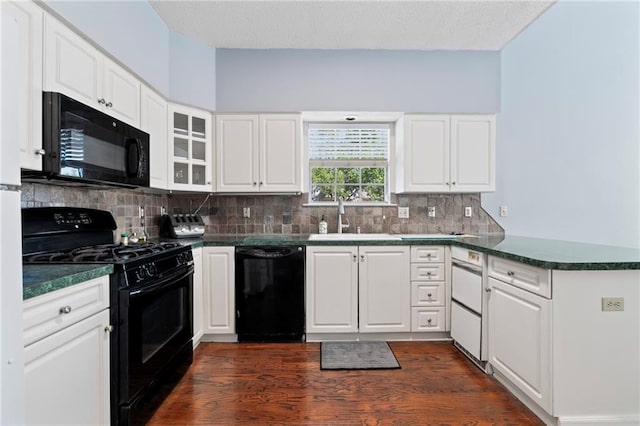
(354, 237)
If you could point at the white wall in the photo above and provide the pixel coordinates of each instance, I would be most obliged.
(568, 156)
(360, 80)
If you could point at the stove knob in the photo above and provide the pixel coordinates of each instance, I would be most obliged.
(152, 270)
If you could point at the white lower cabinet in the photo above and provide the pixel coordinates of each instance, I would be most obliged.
(198, 296)
(219, 290)
(332, 289)
(67, 369)
(357, 289)
(520, 339)
(428, 289)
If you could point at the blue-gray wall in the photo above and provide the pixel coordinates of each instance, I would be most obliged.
(568, 155)
(360, 80)
(192, 71)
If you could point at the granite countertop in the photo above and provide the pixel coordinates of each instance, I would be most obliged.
(544, 253)
(41, 279)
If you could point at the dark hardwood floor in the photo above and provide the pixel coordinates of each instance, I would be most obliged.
(247, 383)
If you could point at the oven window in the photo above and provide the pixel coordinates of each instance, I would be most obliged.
(162, 320)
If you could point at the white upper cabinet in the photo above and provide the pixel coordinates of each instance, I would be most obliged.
(74, 67)
(190, 151)
(153, 120)
(259, 153)
(22, 84)
(447, 153)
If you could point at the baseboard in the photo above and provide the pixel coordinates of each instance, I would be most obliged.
(617, 420)
(547, 418)
(389, 337)
(223, 338)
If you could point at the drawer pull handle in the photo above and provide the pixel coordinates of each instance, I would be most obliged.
(429, 273)
(428, 254)
(488, 290)
(65, 309)
(108, 329)
(101, 101)
(511, 273)
(108, 104)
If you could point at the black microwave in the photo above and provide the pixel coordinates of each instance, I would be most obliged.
(83, 144)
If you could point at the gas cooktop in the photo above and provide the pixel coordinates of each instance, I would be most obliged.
(101, 253)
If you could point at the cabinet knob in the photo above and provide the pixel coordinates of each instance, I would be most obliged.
(108, 104)
(108, 329)
(355, 258)
(362, 257)
(101, 101)
(429, 321)
(40, 151)
(488, 290)
(428, 254)
(453, 183)
(65, 309)
(511, 273)
(261, 183)
(429, 295)
(429, 273)
(448, 184)
(255, 183)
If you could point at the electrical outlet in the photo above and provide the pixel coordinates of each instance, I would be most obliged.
(163, 210)
(431, 211)
(140, 212)
(468, 211)
(403, 212)
(246, 212)
(613, 303)
(504, 211)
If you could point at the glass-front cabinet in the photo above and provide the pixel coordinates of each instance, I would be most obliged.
(190, 150)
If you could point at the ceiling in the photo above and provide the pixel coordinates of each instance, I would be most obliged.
(347, 24)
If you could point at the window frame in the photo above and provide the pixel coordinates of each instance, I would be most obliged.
(389, 163)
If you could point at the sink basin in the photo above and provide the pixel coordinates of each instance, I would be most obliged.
(353, 237)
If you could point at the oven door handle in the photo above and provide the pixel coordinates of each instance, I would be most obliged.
(166, 282)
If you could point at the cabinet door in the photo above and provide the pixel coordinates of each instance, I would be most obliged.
(427, 153)
(198, 296)
(71, 65)
(67, 375)
(153, 120)
(385, 289)
(472, 153)
(191, 151)
(22, 82)
(332, 289)
(121, 91)
(237, 153)
(520, 340)
(280, 153)
(219, 290)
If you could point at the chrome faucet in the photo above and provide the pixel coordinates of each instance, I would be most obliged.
(340, 213)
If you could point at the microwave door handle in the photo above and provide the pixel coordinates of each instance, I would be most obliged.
(133, 162)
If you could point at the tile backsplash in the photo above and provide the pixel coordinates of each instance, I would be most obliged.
(289, 214)
(122, 203)
(277, 214)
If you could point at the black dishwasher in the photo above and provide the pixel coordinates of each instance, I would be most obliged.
(270, 293)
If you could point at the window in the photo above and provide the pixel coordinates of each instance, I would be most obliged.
(349, 161)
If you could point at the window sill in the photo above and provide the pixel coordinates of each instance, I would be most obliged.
(362, 204)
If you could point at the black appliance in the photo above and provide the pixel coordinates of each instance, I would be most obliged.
(83, 144)
(181, 226)
(270, 293)
(151, 301)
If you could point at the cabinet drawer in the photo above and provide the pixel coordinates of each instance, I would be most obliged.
(427, 272)
(530, 278)
(427, 254)
(424, 293)
(44, 315)
(427, 319)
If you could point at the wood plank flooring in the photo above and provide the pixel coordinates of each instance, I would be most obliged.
(250, 383)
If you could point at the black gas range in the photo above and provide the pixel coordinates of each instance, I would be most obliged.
(151, 292)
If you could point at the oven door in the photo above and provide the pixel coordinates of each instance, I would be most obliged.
(155, 325)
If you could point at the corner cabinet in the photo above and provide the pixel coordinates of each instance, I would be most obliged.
(153, 120)
(219, 293)
(22, 81)
(259, 153)
(190, 149)
(67, 335)
(74, 67)
(447, 153)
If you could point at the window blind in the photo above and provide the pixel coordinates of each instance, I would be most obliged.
(348, 143)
